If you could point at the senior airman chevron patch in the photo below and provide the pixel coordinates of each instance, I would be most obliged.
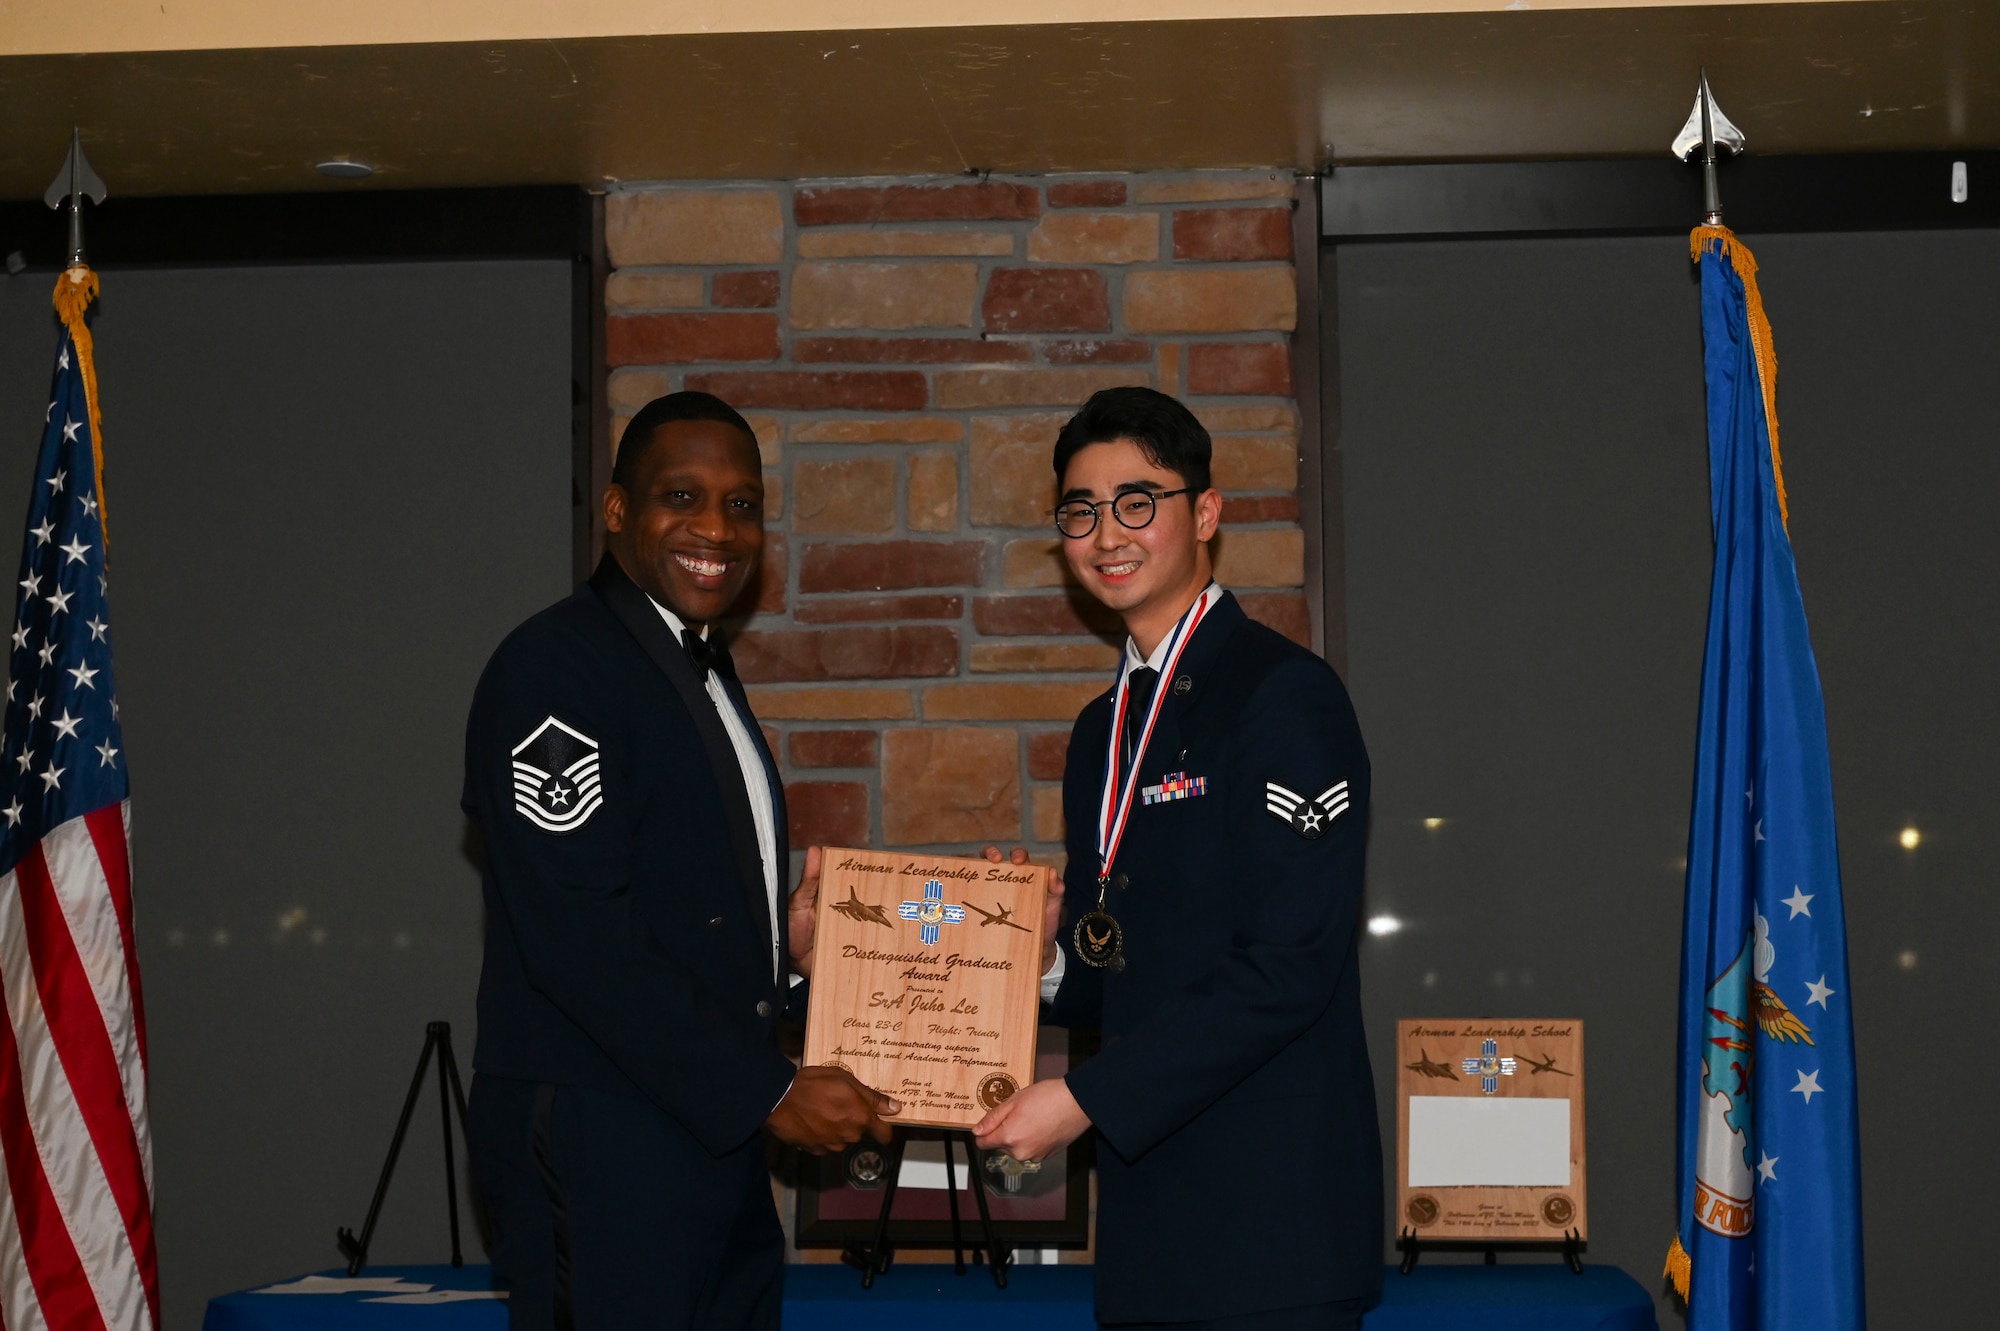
(1310, 818)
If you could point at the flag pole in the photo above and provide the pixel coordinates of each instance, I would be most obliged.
(75, 181)
(76, 290)
(1711, 190)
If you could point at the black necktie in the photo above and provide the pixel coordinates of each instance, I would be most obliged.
(707, 654)
(1138, 695)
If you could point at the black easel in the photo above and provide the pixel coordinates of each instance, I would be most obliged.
(437, 1036)
(1412, 1247)
(879, 1256)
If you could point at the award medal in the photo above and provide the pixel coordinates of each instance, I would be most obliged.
(1098, 939)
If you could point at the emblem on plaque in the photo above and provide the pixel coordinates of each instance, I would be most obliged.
(1422, 1210)
(1490, 1066)
(996, 1090)
(1558, 1211)
(854, 908)
(931, 912)
(1001, 914)
(1425, 1066)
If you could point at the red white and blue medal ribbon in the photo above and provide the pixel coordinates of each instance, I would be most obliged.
(1121, 788)
(1098, 939)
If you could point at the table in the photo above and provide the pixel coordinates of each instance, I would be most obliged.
(927, 1298)
(1543, 1296)
(468, 1303)
(1435, 1297)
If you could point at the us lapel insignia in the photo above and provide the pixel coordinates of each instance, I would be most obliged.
(1174, 786)
(556, 782)
(1310, 818)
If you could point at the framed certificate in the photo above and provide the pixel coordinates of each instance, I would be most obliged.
(927, 979)
(1489, 1117)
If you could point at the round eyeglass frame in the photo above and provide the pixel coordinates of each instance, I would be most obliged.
(1152, 510)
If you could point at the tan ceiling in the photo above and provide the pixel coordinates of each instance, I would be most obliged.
(1081, 97)
(69, 27)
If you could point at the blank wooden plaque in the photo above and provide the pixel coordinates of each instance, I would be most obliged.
(948, 1028)
(1490, 1162)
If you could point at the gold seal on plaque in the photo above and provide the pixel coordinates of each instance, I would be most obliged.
(1558, 1211)
(996, 1090)
(1421, 1211)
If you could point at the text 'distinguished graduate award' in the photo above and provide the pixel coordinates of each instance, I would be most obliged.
(926, 979)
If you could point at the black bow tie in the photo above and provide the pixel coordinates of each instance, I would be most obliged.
(707, 654)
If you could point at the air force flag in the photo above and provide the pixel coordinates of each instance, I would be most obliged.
(1770, 1191)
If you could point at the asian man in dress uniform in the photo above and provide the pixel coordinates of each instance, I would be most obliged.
(1217, 803)
(637, 958)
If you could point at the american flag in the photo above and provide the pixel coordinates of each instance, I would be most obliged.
(76, 1213)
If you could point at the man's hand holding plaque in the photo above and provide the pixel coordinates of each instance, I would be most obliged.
(827, 1109)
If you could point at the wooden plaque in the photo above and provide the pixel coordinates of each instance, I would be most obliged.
(1489, 1128)
(927, 979)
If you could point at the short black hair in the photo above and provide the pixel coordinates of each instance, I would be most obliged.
(689, 406)
(1165, 431)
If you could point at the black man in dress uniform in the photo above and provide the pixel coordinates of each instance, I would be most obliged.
(637, 950)
(1217, 803)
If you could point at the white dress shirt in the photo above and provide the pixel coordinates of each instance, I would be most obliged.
(763, 809)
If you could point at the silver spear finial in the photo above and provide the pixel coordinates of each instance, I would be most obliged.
(1707, 133)
(75, 182)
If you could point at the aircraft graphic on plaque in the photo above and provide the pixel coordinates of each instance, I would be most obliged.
(927, 979)
(1490, 1148)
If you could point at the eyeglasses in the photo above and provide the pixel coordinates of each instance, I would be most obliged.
(1133, 509)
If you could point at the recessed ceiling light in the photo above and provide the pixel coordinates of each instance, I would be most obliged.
(345, 170)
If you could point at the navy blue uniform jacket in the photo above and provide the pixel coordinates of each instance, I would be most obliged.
(630, 953)
(1239, 1162)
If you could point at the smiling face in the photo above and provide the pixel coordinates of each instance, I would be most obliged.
(689, 529)
(1149, 576)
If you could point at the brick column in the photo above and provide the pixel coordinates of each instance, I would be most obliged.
(906, 351)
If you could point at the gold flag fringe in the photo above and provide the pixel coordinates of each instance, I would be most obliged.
(1745, 264)
(1680, 1267)
(76, 289)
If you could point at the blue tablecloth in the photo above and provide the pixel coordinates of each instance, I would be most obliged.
(251, 1310)
(931, 1298)
(1544, 1297)
(1540, 1297)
